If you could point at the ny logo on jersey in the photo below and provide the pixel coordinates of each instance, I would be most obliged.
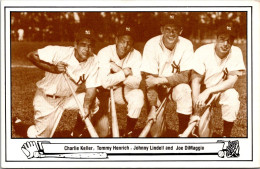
(82, 79)
(175, 68)
(128, 29)
(225, 71)
(229, 28)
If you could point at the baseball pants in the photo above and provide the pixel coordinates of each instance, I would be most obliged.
(48, 111)
(134, 98)
(229, 103)
(181, 94)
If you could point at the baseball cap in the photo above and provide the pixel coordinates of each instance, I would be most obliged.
(85, 34)
(227, 29)
(171, 19)
(125, 30)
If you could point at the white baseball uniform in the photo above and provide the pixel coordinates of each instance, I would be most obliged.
(159, 60)
(53, 95)
(208, 64)
(132, 94)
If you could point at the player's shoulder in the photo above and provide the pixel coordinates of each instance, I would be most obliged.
(58, 48)
(205, 48)
(105, 50)
(136, 55)
(236, 49)
(185, 41)
(153, 41)
(93, 61)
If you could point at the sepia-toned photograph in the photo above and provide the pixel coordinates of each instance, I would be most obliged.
(128, 86)
(129, 74)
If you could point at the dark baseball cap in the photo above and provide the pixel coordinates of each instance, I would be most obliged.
(171, 19)
(126, 30)
(85, 34)
(228, 29)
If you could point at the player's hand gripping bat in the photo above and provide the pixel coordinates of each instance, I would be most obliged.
(159, 111)
(204, 121)
(88, 123)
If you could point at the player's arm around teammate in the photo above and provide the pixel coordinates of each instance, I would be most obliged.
(167, 60)
(120, 69)
(217, 66)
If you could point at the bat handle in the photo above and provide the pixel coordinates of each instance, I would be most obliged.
(187, 132)
(146, 129)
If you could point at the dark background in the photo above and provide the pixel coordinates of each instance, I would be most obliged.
(61, 26)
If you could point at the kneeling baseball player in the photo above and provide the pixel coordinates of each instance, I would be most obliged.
(65, 69)
(167, 63)
(119, 67)
(217, 66)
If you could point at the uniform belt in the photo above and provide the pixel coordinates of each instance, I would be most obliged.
(53, 96)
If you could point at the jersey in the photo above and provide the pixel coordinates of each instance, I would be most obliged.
(159, 60)
(79, 72)
(214, 69)
(132, 60)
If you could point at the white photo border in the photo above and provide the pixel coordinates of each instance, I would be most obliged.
(12, 156)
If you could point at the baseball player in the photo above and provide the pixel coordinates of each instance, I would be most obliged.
(167, 60)
(119, 67)
(53, 95)
(217, 66)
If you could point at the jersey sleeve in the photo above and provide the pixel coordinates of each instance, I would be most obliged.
(107, 79)
(236, 64)
(198, 62)
(93, 79)
(149, 61)
(187, 58)
(48, 53)
(134, 80)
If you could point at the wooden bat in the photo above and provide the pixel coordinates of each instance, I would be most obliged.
(204, 112)
(88, 123)
(148, 126)
(115, 129)
(82, 155)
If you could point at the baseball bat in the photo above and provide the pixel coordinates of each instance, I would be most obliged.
(88, 123)
(56, 123)
(115, 129)
(191, 126)
(93, 155)
(149, 124)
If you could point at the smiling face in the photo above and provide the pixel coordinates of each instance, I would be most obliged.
(223, 45)
(124, 44)
(170, 34)
(84, 49)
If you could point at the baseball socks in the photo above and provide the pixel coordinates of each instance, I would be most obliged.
(227, 128)
(130, 125)
(78, 128)
(183, 122)
(20, 127)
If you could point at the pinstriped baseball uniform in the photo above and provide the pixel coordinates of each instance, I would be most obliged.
(208, 64)
(53, 95)
(132, 94)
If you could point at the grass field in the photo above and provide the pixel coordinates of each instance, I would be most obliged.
(23, 90)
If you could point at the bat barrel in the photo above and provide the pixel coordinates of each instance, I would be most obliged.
(115, 129)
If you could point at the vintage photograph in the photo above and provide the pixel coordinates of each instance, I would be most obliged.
(129, 74)
(100, 86)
